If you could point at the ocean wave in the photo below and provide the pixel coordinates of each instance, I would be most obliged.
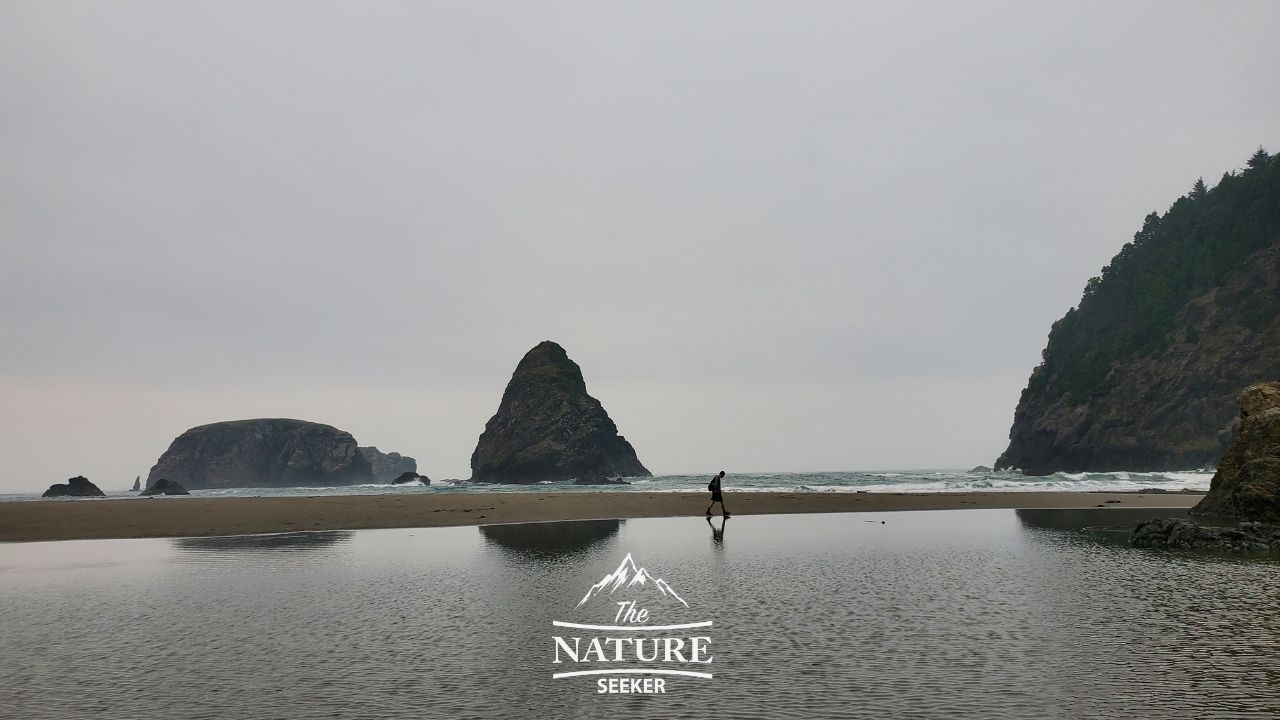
(1192, 476)
(922, 481)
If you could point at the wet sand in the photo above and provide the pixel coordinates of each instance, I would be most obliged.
(193, 517)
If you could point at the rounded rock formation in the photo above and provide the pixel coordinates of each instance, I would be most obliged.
(262, 453)
(164, 487)
(548, 428)
(78, 486)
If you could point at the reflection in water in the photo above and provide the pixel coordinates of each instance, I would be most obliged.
(278, 542)
(1108, 525)
(550, 538)
(717, 534)
(1081, 519)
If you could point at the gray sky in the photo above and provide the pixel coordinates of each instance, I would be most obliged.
(776, 236)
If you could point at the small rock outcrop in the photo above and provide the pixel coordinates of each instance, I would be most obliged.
(1247, 483)
(388, 466)
(164, 487)
(548, 428)
(274, 452)
(137, 484)
(78, 486)
(1183, 534)
(981, 469)
(409, 477)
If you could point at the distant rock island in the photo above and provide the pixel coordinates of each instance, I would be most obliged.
(1144, 374)
(78, 486)
(388, 466)
(1247, 484)
(277, 452)
(408, 477)
(164, 486)
(548, 428)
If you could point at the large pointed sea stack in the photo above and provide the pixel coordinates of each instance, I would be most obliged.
(548, 428)
(1247, 484)
(275, 452)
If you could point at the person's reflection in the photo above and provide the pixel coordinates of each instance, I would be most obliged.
(717, 534)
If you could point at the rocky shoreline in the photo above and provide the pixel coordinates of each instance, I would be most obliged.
(1183, 534)
(1245, 488)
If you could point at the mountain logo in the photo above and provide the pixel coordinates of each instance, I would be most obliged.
(632, 643)
(629, 575)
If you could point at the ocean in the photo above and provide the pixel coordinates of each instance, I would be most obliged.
(948, 614)
(820, 482)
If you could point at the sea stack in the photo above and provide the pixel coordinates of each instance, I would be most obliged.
(548, 428)
(1247, 483)
(164, 487)
(276, 452)
(78, 486)
(408, 477)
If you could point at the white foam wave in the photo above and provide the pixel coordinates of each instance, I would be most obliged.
(1197, 476)
(924, 481)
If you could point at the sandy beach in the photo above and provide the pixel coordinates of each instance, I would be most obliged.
(190, 517)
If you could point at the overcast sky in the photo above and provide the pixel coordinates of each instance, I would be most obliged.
(776, 236)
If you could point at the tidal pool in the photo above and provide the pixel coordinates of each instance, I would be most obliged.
(978, 613)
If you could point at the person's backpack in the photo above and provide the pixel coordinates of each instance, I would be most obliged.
(712, 485)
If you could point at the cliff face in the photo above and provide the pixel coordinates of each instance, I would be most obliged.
(262, 453)
(1145, 373)
(1170, 410)
(388, 466)
(548, 428)
(1247, 484)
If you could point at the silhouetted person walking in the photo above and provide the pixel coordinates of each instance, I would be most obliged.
(714, 487)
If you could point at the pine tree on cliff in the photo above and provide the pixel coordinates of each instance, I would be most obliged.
(1198, 190)
(1143, 373)
(1259, 159)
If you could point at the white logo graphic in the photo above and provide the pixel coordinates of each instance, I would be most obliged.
(637, 575)
(632, 646)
